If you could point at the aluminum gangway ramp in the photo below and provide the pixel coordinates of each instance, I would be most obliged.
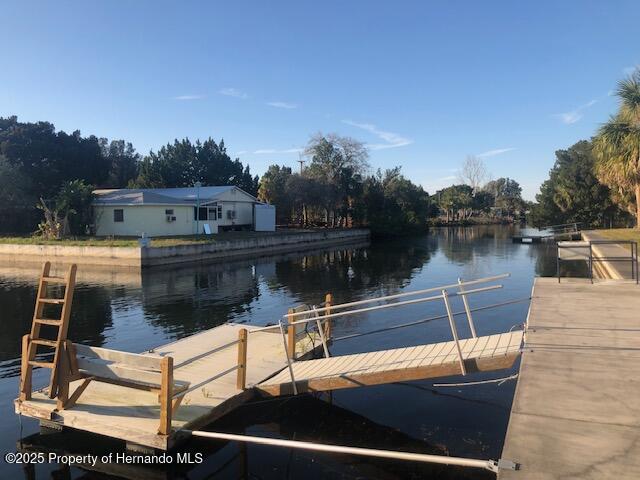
(487, 353)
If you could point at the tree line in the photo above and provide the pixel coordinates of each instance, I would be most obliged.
(597, 182)
(47, 176)
(336, 190)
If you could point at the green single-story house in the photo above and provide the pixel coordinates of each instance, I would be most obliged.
(159, 212)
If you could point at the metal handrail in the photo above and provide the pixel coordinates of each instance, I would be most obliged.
(564, 225)
(282, 323)
(394, 305)
(341, 306)
(632, 257)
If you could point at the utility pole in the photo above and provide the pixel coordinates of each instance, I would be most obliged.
(301, 162)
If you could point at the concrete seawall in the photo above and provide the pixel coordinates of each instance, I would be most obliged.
(139, 257)
(609, 270)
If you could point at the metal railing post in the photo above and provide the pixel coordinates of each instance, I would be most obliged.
(465, 302)
(286, 354)
(558, 262)
(591, 262)
(454, 331)
(321, 332)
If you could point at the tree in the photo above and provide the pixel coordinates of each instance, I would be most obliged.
(273, 189)
(124, 162)
(183, 163)
(573, 193)
(70, 213)
(507, 194)
(473, 173)
(455, 200)
(617, 144)
(338, 163)
(393, 205)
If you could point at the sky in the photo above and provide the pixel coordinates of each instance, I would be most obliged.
(423, 84)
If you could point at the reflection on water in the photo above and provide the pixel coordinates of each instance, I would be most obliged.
(136, 311)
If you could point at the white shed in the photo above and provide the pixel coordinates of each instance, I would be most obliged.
(264, 217)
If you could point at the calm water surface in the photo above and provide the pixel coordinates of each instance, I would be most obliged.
(134, 312)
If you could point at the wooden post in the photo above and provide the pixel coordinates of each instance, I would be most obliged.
(241, 381)
(25, 378)
(166, 395)
(64, 373)
(328, 301)
(291, 334)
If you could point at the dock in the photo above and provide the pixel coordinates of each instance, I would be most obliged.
(153, 400)
(576, 411)
(552, 233)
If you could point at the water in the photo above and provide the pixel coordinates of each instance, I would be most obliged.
(134, 312)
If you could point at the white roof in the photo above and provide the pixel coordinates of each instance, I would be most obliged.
(162, 196)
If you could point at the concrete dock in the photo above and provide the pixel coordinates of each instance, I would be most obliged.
(576, 411)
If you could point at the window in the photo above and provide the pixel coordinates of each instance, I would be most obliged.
(203, 213)
(212, 213)
(219, 211)
(168, 211)
(118, 215)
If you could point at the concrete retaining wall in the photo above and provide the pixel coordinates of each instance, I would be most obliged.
(138, 257)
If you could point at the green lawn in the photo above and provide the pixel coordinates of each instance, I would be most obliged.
(632, 234)
(133, 242)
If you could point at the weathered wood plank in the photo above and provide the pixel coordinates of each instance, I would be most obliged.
(148, 361)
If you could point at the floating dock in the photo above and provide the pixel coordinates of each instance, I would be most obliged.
(576, 411)
(155, 399)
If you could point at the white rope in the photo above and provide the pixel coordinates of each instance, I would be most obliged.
(499, 381)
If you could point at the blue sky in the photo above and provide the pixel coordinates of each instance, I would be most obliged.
(424, 84)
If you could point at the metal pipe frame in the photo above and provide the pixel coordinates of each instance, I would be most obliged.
(454, 331)
(341, 306)
(394, 305)
(490, 465)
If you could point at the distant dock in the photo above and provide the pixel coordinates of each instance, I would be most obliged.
(576, 411)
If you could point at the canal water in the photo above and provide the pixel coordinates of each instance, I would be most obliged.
(136, 311)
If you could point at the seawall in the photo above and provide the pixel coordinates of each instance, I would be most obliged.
(140, 257)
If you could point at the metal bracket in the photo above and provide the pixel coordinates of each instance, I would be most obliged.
(502, 464)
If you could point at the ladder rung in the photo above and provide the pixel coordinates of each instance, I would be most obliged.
(54, 301)
(35, 363)
(47, 321)
(54, 279)
(42, 341)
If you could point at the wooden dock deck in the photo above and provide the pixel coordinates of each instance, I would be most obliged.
(576, 411)
(132, 415)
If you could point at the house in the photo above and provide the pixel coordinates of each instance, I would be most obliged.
(156, 212)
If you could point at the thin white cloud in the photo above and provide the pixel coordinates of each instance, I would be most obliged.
(576, 114)
(265, 151)
(189, 97)
(493, 153)
(286, 105)
(241, 152)
(630, 70)
(233, 92)
(392, 140)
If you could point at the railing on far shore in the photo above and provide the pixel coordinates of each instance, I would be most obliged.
(584, 251)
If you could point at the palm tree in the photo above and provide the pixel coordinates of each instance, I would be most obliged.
(617, 144)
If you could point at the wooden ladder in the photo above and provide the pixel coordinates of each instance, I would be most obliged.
(31, 341)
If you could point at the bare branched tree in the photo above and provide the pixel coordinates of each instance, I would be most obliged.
(473, 173)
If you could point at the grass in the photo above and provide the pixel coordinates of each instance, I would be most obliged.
(632, 234)
(133, 241)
